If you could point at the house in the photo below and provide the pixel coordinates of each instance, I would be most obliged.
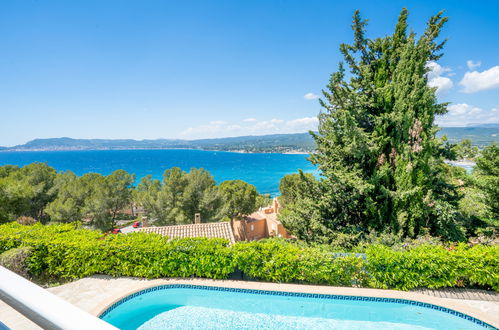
(198, 229)
(260, 224)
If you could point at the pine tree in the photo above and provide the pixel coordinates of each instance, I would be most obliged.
(376, 147)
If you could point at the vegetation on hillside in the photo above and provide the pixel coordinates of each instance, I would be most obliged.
(278, 143)
(300, 142)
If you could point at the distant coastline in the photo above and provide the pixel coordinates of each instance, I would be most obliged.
(297, 143)
(290, 152)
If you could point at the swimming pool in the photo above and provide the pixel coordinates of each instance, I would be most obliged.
(184, 306)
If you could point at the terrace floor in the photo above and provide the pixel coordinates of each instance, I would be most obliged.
(95, 293)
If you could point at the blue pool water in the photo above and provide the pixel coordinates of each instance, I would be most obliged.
(263, 170)
(193, 307)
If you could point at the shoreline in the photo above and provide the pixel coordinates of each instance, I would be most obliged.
(290, 152)
(461, 163)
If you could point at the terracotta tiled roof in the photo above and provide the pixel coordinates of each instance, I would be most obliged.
(210, 230)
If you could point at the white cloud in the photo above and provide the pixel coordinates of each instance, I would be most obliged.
(436, 69)
(251, 127)
(307, 123)
(435, 78)
(441, 83)
(463, 114)
(473, 65)
(479, 81)
(310, 96)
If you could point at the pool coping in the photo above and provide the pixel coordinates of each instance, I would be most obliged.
(303, 289)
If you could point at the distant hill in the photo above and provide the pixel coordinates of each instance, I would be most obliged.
(489, 125)
(480, 135)
(301, 142)
(282, 143)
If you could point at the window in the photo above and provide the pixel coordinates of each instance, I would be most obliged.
(252, 227)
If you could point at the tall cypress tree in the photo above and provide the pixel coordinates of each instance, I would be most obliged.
(381, 163)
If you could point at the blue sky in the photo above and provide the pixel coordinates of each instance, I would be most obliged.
(194, 69)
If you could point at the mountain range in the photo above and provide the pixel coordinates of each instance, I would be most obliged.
(480, 135)
(300, 142)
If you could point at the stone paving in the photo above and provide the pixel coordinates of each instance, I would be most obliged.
(95, 293)
(457, 293)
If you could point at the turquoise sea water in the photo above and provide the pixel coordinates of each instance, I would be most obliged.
(193, 308)
(262, 170)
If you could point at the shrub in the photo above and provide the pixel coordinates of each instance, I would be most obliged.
(480, 264)
(277, 260)
(271, 260)
(16, 260)
(151, 256)
(65, 251)
(433, 266)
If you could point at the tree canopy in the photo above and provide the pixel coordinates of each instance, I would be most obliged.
(240, 198)
(92, 197)
(182, 194)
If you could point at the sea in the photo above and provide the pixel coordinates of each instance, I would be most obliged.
(264, 170)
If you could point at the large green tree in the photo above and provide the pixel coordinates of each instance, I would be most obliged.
(92, 197)
(294, 186)
(150, 195)
(381, 164)
(26, 191)
(180, 196)
(110, 195)
(240, 198)
(72, 193)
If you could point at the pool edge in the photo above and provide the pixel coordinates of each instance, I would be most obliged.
(305, 289)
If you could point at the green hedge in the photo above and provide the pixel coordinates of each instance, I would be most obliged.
(434, 266)
(65, 251)
(281, 261)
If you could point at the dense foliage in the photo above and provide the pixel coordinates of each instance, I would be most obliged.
(487, 179)
(382, 166)
(241, 198)
(433, 266)
(26, 191)
(65, 252)
(93, 197)
(179, 196)
(36, 192)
